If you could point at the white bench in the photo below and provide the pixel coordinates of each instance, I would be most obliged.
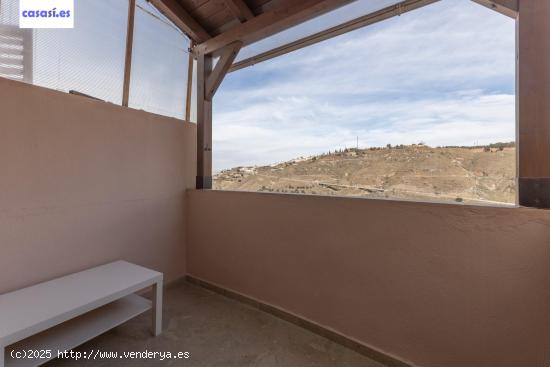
(63, 313)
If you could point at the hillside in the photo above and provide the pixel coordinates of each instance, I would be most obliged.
(468, 174)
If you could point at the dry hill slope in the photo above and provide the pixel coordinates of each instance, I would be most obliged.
(477, 174)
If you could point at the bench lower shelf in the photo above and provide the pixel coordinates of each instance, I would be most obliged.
(77, 331)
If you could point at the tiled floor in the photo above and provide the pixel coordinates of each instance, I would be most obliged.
(217, 331)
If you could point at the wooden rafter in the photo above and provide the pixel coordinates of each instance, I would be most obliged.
(182, 19)
(506, 7)
(270, 22)
(239, 9)
(224, 63)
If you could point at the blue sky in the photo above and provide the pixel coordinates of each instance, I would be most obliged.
(443, 74)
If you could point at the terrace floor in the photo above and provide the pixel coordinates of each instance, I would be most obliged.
(218, 331)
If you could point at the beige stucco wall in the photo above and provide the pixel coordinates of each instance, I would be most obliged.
(84, 182)
(433, 284)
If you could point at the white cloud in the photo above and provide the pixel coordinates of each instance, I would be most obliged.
(443, 75)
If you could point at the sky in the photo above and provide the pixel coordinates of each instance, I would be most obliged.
(443, 75)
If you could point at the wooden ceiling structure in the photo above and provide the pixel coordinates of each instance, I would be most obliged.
(214, 24)
(218, 30)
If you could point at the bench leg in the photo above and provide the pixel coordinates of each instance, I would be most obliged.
(157, 308)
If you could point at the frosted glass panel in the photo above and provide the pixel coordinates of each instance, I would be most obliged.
(9, 10)
(159, 64)
(88, 58)
(334, 18)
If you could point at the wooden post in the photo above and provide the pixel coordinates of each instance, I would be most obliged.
(208, 81)
(189, 92)
(204, 124)
(129, 46)
(534, 103)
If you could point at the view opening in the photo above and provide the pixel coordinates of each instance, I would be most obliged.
(421, 107)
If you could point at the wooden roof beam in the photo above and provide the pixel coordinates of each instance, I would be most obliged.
(506, 7)
(270, 22)
(182, 19)
(239, 9)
